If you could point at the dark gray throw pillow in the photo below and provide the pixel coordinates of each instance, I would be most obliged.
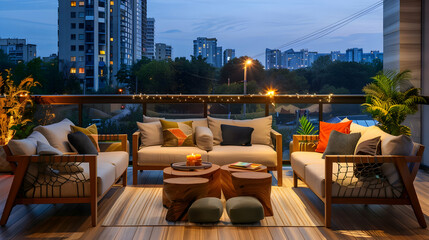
(369, 147)
(341, 143)
(82, 143)
(234, 135)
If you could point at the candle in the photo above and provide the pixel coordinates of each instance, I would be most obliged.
(190, 160)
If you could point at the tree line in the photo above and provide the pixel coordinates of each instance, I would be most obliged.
(195, 76)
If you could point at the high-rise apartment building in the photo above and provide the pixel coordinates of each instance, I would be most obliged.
(18, 49)
(149, 45)
(354, 55)
(273, 59)
(97, 37)
(218, 57)
(228, 55)
(163, 51)
(208, 49)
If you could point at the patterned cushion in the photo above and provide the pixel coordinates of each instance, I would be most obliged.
(177, 134)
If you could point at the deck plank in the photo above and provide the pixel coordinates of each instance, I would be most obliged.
(72, 221)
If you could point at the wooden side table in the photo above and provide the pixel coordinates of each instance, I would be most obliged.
(254, 184)
(226, 180)
(181, 193)
(212, 174)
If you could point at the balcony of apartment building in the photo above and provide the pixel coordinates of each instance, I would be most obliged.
(295, 201)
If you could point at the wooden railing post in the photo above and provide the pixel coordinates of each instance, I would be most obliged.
(80, 114)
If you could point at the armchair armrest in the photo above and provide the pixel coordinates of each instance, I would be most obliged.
(303, 138)
(279, 150)
(115, 137)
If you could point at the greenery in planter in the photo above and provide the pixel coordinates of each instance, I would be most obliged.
(13, 103)
(390, 98)
(306, 127)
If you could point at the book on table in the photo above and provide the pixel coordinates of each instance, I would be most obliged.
(245, 165)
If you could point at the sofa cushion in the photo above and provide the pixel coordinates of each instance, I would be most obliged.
(165, 156)
(370, 133)
(346, 186)
(204, 138)
(150, 133)
(299, 160)
(257, 153)
(177, 134)
(261, 126)
(82, 143)
(27, 146)
(341, 143)
(325, 131)
(56, 134)
(234, 135)
(90, 131)
(356, 128)
(63, 188)
(119, 159)
(105, 174)
(46, 149)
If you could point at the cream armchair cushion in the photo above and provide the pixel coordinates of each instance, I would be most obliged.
(56, 134)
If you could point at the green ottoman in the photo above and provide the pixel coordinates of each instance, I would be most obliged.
(244, 209)
(205, 210)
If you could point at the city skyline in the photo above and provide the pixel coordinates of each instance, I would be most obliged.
(269, 26)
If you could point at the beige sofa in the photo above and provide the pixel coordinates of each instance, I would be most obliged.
(266, 149)
(67, 178)
(334, 178)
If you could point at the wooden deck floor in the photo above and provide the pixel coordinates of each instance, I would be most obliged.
(72, 221)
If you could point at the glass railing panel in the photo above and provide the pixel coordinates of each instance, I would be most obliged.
(235, 111)
(176, 111)
(42, 114)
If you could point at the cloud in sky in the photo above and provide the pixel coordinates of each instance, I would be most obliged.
(249, 26)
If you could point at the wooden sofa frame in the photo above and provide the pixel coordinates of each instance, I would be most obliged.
(277, 137)
(406, 166)
(21, 163)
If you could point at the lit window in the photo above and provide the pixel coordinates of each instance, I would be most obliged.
(72, 70)
(112, 3)
(81, 3)
(111, 10)
(73, 3)
(73, 59)
(111, 62)
(102, 52)
(81, 70)
(111, 39)
(101, 72)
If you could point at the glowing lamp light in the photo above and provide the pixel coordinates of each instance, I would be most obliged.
(271, 92)
(248, 62)
(120, 90)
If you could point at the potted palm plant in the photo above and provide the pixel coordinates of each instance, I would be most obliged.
(305, 128)
(390, 98)
(13, 102)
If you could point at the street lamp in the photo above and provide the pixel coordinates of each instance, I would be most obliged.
(247, 63)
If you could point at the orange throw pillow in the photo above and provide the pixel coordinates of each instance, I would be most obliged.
(325, 130)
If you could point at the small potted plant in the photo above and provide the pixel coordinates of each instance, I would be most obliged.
(390, 98)
(305, 128)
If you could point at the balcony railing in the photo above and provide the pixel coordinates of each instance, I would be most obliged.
(86, 109)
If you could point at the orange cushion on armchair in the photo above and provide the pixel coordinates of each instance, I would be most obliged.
(325, 130)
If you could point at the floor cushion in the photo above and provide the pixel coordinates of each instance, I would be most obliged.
(205, 210)
(244, 209)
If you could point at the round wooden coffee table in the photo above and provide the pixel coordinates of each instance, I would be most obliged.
(212, 174)
(226, 180)
(181, 193)
(254, 184)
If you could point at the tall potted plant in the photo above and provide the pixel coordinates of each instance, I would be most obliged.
(13, 101)
(390, 98)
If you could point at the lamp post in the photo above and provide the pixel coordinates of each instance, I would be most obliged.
(247, 63)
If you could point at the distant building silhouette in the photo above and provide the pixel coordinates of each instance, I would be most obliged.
(208, 49)
(163, 51)
(273, 59)
(228, 55)
(18, 50)
(354, 55)
(149, 44)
